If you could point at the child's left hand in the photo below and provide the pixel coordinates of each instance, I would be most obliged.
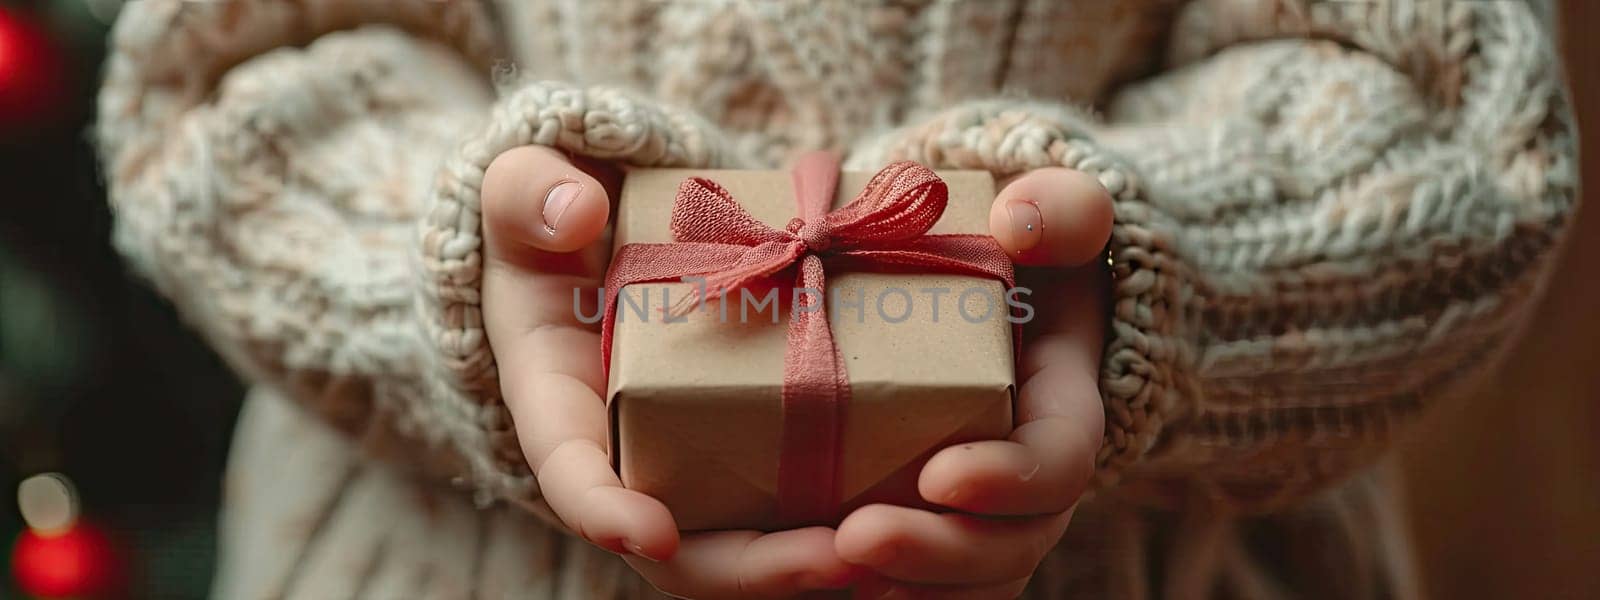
(1017, 495)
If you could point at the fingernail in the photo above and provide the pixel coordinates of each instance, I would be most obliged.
(556, 202)
(954, 497)
(1027, 226)
(638, 551)
(1030, 473)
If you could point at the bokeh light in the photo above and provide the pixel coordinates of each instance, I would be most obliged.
(49, 503)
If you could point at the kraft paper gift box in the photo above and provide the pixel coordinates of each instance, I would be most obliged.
(696, 411)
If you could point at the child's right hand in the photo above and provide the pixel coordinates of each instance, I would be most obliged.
(543, 219)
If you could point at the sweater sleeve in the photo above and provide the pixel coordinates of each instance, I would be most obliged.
(301, 180)
(1328, 216)
(266, 164)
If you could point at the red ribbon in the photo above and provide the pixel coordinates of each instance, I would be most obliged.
(883, 229)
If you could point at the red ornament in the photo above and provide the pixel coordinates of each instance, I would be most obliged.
(33, 74)
(78, 562)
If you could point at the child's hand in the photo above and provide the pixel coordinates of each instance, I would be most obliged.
(543, 218)
(1018, 494)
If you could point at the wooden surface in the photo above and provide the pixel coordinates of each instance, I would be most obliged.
(1505, 487)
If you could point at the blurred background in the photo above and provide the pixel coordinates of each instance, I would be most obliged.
(98, 379)
(101, 383)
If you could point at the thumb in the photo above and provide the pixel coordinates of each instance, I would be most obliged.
(1052, 217)
(535, 199)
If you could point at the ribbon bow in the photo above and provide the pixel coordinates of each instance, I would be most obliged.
(883, 229)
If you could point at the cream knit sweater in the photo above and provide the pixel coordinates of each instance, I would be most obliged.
(1328, 214)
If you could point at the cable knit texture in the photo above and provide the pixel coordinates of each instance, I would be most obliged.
(1328, 215)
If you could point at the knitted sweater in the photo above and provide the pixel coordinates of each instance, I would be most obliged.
(1328, 214)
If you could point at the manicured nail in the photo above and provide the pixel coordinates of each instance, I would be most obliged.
(1027, 226)
(556, 202)
(639, 551)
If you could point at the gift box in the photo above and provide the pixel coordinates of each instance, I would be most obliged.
(727, 410)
